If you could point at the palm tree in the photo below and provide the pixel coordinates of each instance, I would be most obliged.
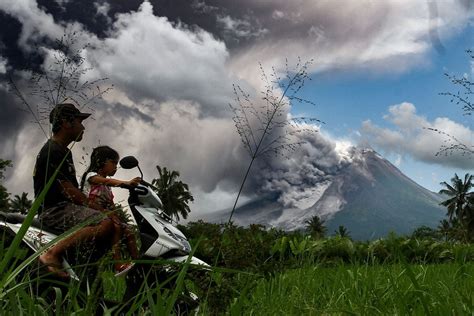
(4, 201)
(4, 195)
(445, 229)
(469, 217)
(315, 226)
(21, 203)
(342, 231)
(459, 231)
(458, 193)
(174, 194)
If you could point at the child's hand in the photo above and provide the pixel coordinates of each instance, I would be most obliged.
(134, 182)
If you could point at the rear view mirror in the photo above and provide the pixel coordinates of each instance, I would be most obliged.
(129, 162)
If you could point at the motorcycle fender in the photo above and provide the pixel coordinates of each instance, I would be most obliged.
(194, 260)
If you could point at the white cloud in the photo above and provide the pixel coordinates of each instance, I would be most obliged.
(202, 7)
(411, 136)
(389, 36)
(103, 9)
(35, 22)
(277, 15)
(239, 28)
(3, 65)
(150, 58)
(62, 2)
(404, 116)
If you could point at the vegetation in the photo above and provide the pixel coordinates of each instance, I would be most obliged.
(260, 250)
(342, 232)
(315, 227)
(363, 290)
(366, 277)
(460, 208)
(21, 203)
(458, 191)
(4, 196)
(174, 194)
(291, 270)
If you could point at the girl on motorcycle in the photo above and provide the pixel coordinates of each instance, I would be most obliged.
(96, 182)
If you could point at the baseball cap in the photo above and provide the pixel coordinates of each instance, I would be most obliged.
(66, 110)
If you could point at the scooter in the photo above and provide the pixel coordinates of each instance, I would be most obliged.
(159, 238)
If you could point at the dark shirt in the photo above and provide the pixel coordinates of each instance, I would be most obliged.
(47, 161)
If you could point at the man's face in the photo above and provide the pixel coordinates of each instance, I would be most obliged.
(77, 129)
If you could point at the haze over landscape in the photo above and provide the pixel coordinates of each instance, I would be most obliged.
(377, 75)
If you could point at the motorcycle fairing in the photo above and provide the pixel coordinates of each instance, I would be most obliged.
(170, 238)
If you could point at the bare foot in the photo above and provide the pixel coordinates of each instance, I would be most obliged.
(53, 264)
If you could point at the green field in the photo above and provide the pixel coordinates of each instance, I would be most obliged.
(443, 289)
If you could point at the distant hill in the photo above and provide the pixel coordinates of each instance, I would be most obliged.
(369, 196)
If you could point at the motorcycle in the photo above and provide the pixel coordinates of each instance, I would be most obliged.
(158, 237)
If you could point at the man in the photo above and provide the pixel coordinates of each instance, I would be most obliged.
(65, 206)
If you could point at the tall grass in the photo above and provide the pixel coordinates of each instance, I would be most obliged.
(31, 293)
(444, 289)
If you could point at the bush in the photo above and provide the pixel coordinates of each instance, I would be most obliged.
(259, 250)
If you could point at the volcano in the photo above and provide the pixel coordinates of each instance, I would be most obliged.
(369, 196)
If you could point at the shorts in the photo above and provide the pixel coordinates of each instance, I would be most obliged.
(67, 215)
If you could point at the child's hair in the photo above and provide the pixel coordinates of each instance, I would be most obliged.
(99, 157)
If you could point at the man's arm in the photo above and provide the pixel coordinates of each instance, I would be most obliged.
(76, 196)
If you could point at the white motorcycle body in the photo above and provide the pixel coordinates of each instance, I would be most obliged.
(170, 242)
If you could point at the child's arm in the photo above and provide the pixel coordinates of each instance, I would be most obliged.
(97, 179)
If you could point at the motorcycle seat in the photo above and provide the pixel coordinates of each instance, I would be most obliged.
(17, 218)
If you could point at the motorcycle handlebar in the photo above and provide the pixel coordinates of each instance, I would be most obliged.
(125, 186)
(148, 185)
(143, 182)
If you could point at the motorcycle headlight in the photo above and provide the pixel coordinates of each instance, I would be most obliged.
(186, 245)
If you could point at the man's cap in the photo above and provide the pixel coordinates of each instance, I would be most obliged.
(66, 110)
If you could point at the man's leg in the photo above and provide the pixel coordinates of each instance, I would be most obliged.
(52, 257)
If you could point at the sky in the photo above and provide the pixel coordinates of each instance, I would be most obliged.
(377, 73)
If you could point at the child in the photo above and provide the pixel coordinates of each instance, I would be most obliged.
(98, 186)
